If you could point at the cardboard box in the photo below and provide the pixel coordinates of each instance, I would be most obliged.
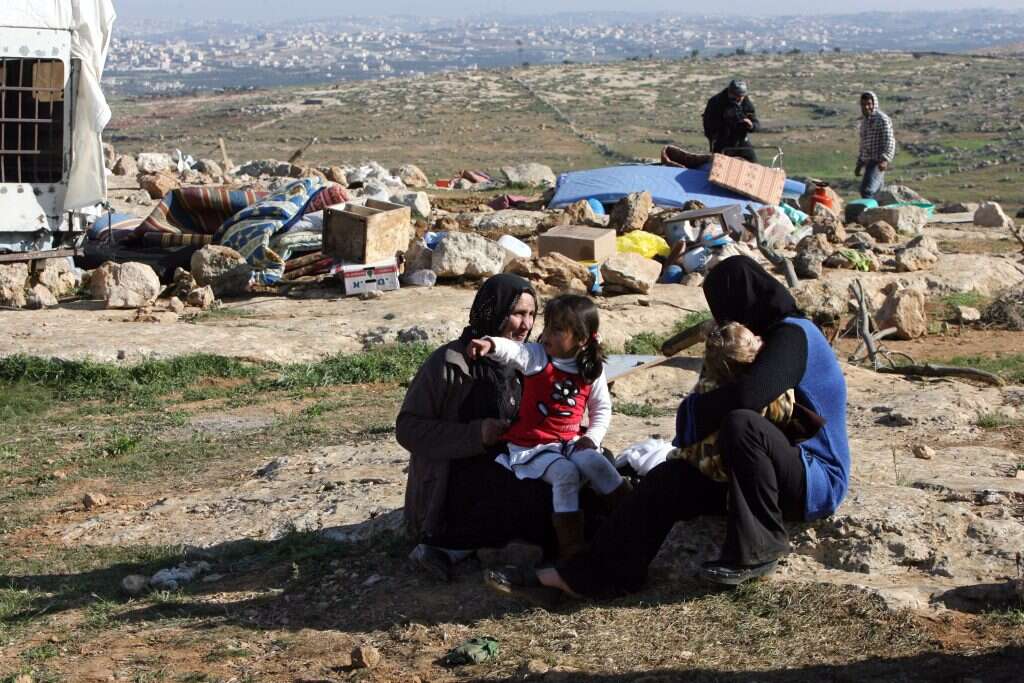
(758, 182)
(368, 277)
(366, 234)
(578, 242)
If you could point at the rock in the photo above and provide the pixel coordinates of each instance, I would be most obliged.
(365, 657)
(94, 500)
(419, 202)
(883, 232)
(13, 280)
(908, 220)
(125, 285)
(183, 283)
(631, 212)
(923, 452)
(913, 259)
(580, 213)
(894, 194)
(862, 241)
(176, 305)
(991, 215)
(258, 167)
(38, 297)
(534, 667)
(411, 175)
(824, 222)
(966, 314)
(629, 273)
(465, 254)
(958, 207)
(692, 280)
(925, 241)
(158, 185)
(155, 162)
(336, 174)
(903, 309)
(530, 175)
(109, 155)
(823, 301)
(554, 274)
(135, 584)
(59, 276)
(213, 261)
(125, 165)
(515, 222)
(210, 168)
(201, 297)
(811, 253)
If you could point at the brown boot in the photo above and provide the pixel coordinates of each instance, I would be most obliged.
(617, 497)
(569, 532)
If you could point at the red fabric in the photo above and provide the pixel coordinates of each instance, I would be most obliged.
(329, 196)
(551, 410)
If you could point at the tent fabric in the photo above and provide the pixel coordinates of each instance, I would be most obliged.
(91, 23)
(669, 186)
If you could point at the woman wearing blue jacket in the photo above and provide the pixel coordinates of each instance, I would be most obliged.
(772, 476)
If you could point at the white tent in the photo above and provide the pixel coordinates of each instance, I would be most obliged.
(90, 23)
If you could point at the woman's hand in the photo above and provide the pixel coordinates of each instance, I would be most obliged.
(582, 444)
(491, 430)
(478, 348)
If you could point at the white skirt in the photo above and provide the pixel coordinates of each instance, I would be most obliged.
(533, 461)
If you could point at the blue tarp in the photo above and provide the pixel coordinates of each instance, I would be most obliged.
(668, 185)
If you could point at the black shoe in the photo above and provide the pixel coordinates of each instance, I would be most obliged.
(522, 582)
(432, 560)
(732, 574)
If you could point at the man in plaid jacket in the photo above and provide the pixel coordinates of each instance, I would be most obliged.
(877, 145)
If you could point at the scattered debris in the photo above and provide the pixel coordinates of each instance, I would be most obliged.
(174, 577)
(473, 651)
(135, 584)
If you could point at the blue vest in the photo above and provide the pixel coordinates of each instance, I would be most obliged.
(827, 455)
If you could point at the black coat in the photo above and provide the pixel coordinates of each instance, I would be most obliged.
(723, 121)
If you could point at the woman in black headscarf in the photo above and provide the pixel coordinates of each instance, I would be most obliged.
(457, 498)
(772, 476)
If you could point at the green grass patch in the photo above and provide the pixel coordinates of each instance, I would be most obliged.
(972, 299)
(640, 409)
(1010, 367)
(995, 421)
(20, 400)
(221, 314)
(384, 364)
(649, 343)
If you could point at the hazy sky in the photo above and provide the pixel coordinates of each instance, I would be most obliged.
(271, 9)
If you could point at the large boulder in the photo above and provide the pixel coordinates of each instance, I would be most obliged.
(419, 202)
(155, 162)
(631, 212)
(908, 220)
(222, 268)
(125, 285)
(581, 213)
(411, 175)
(463, 254)
(827, 223)
(554, 274)
(903, 309)
(13, 280)
(158, 185)
(59, 276)
(913, 259)
(883, 232)
(125, 165)
(210, 168)
(991, 215)
(515, 222)
(894, 194)
(39, 296)
(823, 301)
(529, 174)
(811, 253)
(624, 273)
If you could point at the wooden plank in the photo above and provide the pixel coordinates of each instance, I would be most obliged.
(758, 182)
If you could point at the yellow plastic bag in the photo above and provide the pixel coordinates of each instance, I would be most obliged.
(644, 243)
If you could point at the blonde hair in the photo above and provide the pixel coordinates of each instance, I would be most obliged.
(727, 349)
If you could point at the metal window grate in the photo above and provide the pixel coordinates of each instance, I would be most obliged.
(31, 120)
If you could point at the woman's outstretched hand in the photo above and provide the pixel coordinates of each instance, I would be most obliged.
(491, 430)
(478, 348)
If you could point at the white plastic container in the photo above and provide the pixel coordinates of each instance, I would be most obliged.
(515, 247)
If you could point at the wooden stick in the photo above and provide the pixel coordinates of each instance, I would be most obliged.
(297, 154)
(691, 336)
(228, 165)
(929, 370)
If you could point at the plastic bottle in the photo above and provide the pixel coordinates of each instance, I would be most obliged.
(516, 247)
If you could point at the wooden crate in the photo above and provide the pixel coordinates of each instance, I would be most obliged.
(366, 234)
(758, 182)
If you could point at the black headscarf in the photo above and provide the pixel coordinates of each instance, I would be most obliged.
(497, 389)
(494, 301)
(739, 290)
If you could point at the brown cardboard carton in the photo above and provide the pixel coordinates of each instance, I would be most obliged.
(578, 242)
(758, 182)
(366, 234)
